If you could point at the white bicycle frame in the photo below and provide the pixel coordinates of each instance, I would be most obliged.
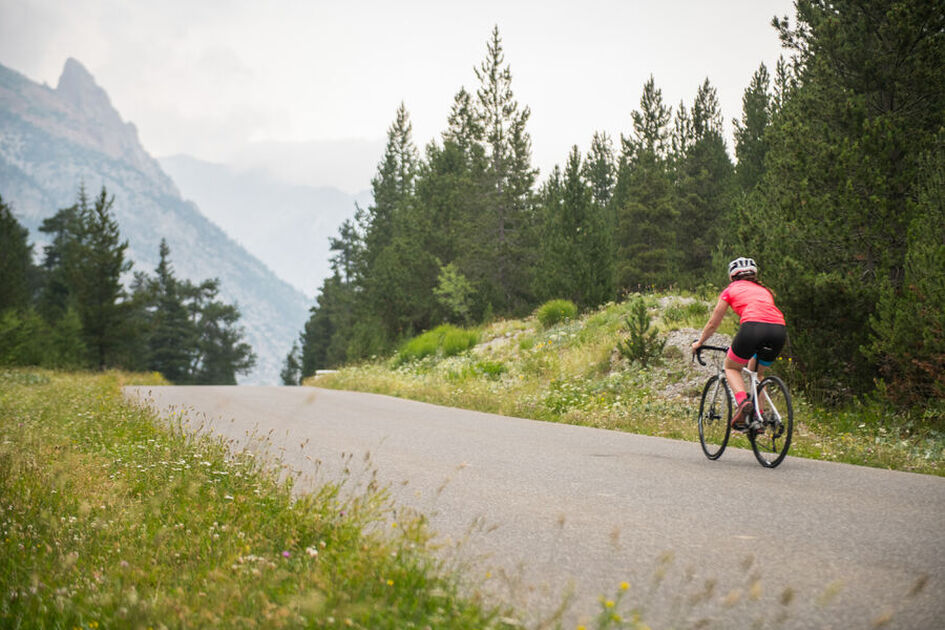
(753, 392)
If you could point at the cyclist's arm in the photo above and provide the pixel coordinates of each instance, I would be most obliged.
(715, 320)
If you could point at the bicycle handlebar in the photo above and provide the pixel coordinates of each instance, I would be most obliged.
(699, 350)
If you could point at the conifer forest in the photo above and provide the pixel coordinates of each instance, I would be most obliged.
(836, 188)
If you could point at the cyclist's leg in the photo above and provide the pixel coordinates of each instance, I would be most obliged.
(768, 352)
(733, 373)
(739, 355)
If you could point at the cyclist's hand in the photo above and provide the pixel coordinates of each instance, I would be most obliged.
(695, 346)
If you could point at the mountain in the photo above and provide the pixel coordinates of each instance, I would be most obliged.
(287, 226)
(54, 140)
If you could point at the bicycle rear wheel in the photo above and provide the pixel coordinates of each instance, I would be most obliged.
(772, 441)
(715, 417)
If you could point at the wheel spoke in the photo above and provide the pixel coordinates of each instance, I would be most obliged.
(772, 441)
(715, 415)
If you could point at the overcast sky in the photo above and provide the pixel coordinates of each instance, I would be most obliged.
(208, 77)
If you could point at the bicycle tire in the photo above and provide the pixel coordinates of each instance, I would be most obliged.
(772, 441)
(715, 417)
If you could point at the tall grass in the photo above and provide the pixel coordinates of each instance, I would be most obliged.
(108, 519)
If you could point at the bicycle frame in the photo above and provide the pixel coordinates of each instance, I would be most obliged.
(769, 428)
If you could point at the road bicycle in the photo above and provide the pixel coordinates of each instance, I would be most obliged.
(770, 425)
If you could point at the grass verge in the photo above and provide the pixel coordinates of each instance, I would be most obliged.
(109, 519)
(573, 373)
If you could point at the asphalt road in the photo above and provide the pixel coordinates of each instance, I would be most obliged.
(537, 512)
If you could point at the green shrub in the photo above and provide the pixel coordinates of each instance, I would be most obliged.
(555, 312)
(490, 369)
(456, 341)
(419, 347)
(448, 340)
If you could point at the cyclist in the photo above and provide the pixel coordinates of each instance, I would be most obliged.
(761, 334)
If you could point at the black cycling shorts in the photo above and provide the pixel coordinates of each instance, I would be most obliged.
(758, 338)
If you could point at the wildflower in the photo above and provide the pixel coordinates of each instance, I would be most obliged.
(609, 603)
(286, 554)
(390, 582)
(624, 586)
(312, 552)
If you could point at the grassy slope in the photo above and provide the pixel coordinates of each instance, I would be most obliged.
(108, 519)
(572, 373)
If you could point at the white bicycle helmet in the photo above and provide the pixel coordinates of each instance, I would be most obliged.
(742, 267)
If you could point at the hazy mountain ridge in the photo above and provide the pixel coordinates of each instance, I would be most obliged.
(287, 226)
(52, 141)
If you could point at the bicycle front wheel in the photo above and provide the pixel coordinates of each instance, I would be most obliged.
(715, 417)
(772, 441)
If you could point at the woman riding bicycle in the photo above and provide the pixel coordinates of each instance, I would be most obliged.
(761, 334)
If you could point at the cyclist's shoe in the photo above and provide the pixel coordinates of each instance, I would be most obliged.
(742, 414)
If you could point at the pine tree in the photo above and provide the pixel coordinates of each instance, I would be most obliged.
(60, 257)
(644, 202)
(704, 178)
(908, 327)
(96, 278)
(400, 273)
(221, 354)
(507, 222)
(16, 262)
(600, 170)
(82, 269)
(292, 366)
(855, 110)
(750, 143)
(172, 339)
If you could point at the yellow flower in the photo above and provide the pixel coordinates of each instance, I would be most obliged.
(609, 603)
(390, 582)
(624, 586)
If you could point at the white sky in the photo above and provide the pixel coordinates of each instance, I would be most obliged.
(208, 77)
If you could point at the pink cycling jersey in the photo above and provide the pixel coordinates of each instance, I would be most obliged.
(752, 302)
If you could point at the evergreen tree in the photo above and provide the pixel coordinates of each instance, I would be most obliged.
(644, 200)
(16, 262)
(600, 174)
(82, 270)
(96, 279)
(507, 223)
(576, 256)
(750, 143)
(221, 353)
(60, 257)
(704, 179)
(862, 102)
(600, 170)
(172, 340)
(291, 368)
(328, 332)
(392, 186)
(400, 274)
(908, 327)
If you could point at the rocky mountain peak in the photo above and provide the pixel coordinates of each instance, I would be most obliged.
(77, 87)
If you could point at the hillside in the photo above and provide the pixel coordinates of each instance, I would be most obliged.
(52, 141)
(573, 373)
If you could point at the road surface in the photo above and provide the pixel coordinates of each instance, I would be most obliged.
(540, 513)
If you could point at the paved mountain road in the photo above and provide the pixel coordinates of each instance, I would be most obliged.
(537, 510)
